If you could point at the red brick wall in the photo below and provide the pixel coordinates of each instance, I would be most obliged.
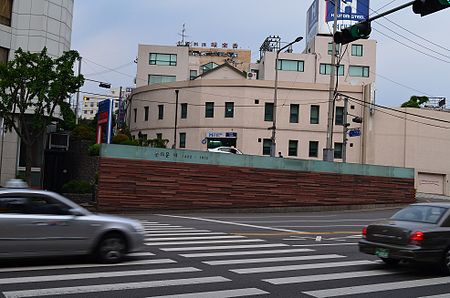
(138, 185)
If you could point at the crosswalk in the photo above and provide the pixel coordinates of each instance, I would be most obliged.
(217, 261)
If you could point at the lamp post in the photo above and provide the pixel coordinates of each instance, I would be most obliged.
(273, 146)
(176, 120)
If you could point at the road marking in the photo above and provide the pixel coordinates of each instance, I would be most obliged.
(445, 295)
(300, 267)
(185, 234)
(324, 277)
(52, 267)
(192, 238)
(204, 242)
(140, 254)
(296, 233)
(318, 238)
(113, 287)
(277, 259)
(177, 231)
(219, 294)
(169, 229)
(379, 287)
(78, 276)
(324, 226)
(243, 253)
(325, 244)
(223, 247)
(317, 220)
(157, 225)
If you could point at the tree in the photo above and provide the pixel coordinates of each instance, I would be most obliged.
(415, 102)
(32, 86)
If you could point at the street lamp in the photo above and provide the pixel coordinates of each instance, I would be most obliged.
(273, 146)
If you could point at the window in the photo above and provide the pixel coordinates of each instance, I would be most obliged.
(145, 113)
(338, 150)
(267, 143)
(159, 79)
(339, 118)
(135, 115)
(209, 110)
(209, 66)
(4, 53)
(163, 59)
(159, 136)
(293, 118)
(5, 12)
(160, 112)
(357, 50)
(358, 71)
(268, 111)
(325, 69)
(192, 74)
(293, 148)
(92, 104)
(182, 140)
(330, 48)
(184, 107)
(314, 115)
(313, 149)
(229, 109)
(291, 65)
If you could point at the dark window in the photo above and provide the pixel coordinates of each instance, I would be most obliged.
(5, 12)
(291, 65)
(192, 74)
(256, 101)
(313, 149)
(330, 48)
(357, 49)
(160, 79)
(338, 150)
(135, 115)
(267, 143)
(229, 109)
(145, 113)
(339, 118)
(358, 71)
(314, 115)
(268, 111)
(160, 112)
(163, 59)
(184, 110)
(294, 113)
(182, 140)
(4, 53)
(293, 148)
(159, 136)
(209, 110)
(325, 69)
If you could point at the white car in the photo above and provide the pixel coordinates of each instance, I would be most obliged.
(224, 149)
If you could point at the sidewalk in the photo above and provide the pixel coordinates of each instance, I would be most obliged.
(426, 197)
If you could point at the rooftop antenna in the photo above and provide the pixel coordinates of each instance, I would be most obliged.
(183, 35)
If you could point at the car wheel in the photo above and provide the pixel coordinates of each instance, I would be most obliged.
(111, 248)
(446, 261)
(390, 262)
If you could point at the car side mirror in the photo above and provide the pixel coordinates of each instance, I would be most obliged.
(76, 212)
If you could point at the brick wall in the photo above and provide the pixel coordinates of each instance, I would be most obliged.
(141, 185)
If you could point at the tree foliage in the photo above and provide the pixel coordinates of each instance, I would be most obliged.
(415, 102)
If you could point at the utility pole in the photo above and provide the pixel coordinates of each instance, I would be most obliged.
(345, 131)
(176, 120)
(78, 92)
(119, 114)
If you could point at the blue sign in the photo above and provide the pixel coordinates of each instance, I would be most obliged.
(312, 18)
(348, 10)
(355, 132)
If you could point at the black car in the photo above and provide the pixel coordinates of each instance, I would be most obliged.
(419, 232)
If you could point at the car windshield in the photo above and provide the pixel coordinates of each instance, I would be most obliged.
(427, 214)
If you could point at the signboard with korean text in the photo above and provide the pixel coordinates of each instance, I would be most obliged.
(104, 121)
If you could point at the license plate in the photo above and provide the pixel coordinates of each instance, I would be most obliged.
(382, 252)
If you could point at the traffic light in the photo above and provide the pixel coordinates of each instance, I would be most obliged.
(352, 33)
(426, 7)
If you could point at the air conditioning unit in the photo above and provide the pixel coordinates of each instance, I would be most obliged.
(58, 141)
(251, 76)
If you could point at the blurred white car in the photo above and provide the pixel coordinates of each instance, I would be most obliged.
(224, 149)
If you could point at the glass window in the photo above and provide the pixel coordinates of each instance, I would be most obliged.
(313, 149)
(358, 71)
(330, 48)
(184, 107)
(293, 148)
(427, 214)
(325, 69)
(4, 53)
(357, 49)
(145, 113)
(182, 140)
(339, 117)
(267, 143)
(338, 150)
(268, 111)
(209, 110)
(192, 74)
(159, 136)
(160, 112)
(314, 114)
(163, 59)
(5, 12)
(159, 79)
(135, 115)
(291, 65)
(229, 109)
(293, 118)
(209, 66)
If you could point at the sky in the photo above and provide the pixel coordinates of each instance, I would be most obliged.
(413, 52)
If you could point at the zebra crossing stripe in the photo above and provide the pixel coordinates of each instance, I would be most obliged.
(222, 247)
(78, 276)
(379, 287)
(178, 231)
(113, 287)
(204, 242)
(140, 254)
(277, 259)
(300, 267)
(168, 229)
(193, 238)
(185, 234)
(243, 253)
(219, 294)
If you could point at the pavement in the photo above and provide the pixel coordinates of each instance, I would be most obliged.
(426, 197)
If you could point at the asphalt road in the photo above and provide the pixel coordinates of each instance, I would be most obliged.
(310, 254)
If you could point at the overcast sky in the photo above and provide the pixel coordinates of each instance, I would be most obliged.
(107, 34)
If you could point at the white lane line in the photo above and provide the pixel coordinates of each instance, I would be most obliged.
(324, 277)
(243, 253)
(184, 234)
(113, 287)
(204, 242)
(277, 259)
(223, 247)
(53, 267)
(140, 254)
(300, 267)
(79, 276)
(379, 287)
(325, 244)
(193, 238)
(231, 223)
(178, 231)
(219, 294)
(445, 295)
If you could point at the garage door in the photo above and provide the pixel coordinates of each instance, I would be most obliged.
(431, 183)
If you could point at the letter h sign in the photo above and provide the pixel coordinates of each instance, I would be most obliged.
(345, 4)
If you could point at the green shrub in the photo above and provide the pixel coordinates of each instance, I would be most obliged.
(120, 138)
(131, 143)
(84, 132)
(77, 186)
(94, 150)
